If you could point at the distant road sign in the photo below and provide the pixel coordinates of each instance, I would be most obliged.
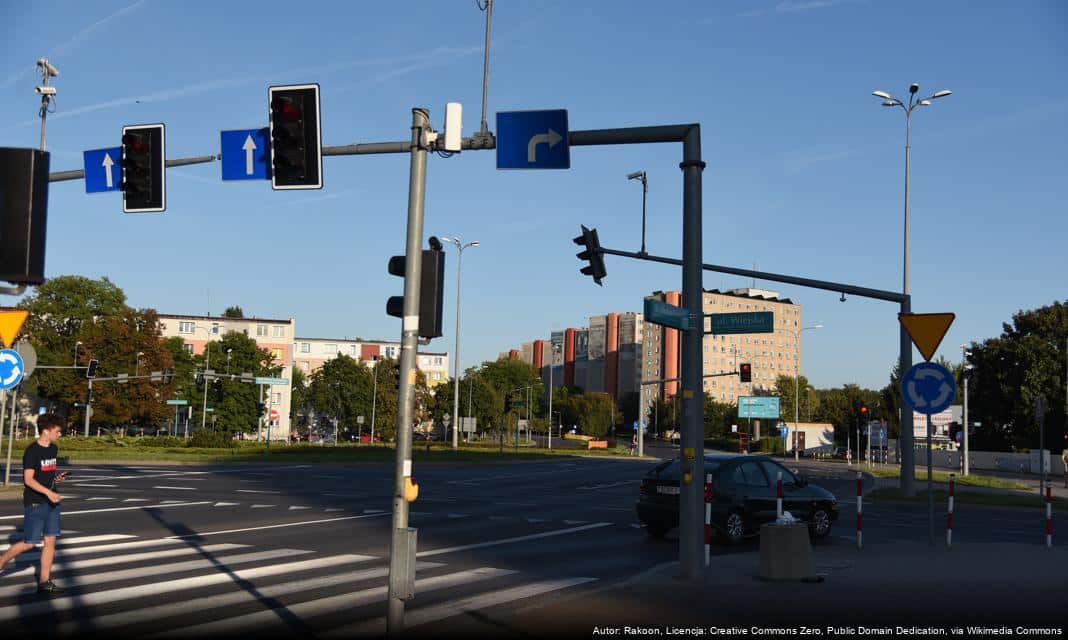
(928, 388)
(245, 154)
(29, 357)
(11, 369)
(758, 407)
(754, 322)
(272, 381)
(103, 170)
(926, 330)
(668, 315)
(533, 140)
(178, 403)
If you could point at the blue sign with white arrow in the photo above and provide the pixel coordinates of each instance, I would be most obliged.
(103, 170)
(11, 369)
(245, 154)
(533, 140)
(928, 388)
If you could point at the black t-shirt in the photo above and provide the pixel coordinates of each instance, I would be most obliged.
(43, 462)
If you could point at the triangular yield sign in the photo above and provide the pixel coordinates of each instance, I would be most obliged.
(10, 323)
(926, 330)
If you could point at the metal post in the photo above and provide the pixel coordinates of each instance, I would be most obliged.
(374, 404)
(930, 486)
(1040, 416)
(88, 406)
(3, 405)
(905, 439)
(270, 420)
(797, 398)
(12, 425)
(456, 365)
(409, 344)
(549, 421)
(207, 364)
(175, 420)
(964, 465)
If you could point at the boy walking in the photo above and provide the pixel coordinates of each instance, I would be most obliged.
(40, 501)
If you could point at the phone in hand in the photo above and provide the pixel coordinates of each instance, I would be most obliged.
(62, 475)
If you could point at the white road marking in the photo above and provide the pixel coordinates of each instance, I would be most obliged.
(457, 516)
(434, 613)
(147, 506)
(373, 511)
(136, 500)
(151, 612)
(536, 520)
(256, 491)
(323, 606)
(610, 484)
(100, 498)
(111, 548)
(128, 558)
(262, 506)
(278, 526)
(142, 592)
(163, 569)
(177, 488)
(332, 510)
(226, 504)
(575, 521)
(66, 542)
(493, 543)
(297, 508)
(97, 486)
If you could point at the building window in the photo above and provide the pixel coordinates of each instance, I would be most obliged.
(278, 332)
(305, 347)
(439, 361)
(354, 349)
(278, 398)
(276, 354)
(261, 331)
(186, 327)
(188, 347)
(215, 328)
(330, 349)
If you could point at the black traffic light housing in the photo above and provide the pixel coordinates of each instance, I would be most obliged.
(954, 429)
(296, 137)
(217, 388)
(144, 172)
(200, 381)
(745, 372)
(90, 371)
(592, 253)
(431, 290)
(168, 375)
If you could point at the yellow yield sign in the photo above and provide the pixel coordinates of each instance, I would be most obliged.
(926, 330)
(10, 324)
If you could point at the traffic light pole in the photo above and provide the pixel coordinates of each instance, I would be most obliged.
(401, 569)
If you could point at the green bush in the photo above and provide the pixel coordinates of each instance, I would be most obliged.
(160, 441)
(211, 440)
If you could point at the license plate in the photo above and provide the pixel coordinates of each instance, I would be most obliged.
(671, 491)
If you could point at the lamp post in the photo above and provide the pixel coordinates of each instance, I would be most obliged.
(374, 401)
(905, 437)
(965, 367)
(555, 349)
(228, 352)
(137, 363)
(76, 345)
(460, 246)
(797, 381)
(640, 175)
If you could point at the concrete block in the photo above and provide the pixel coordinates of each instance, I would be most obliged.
(785, 553)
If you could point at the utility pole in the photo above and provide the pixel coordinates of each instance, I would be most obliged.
(374, 402)
(88, 406)
(12, 425)
(207, 364)
(47, 92)
(402, 552)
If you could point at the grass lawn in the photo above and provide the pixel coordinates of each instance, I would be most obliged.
(971, 497)
(971, 480)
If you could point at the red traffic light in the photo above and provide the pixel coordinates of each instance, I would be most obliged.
(745, 372)
(863, 409)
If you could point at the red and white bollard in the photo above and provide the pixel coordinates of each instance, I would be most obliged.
(1049, 513)
(860, 509)
(949, 514)
(708, 517)
(778, 497)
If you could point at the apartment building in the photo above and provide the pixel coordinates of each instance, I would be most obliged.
(309, 354)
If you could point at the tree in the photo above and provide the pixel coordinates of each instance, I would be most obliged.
(299, 402)
(233, 312)
(235, 403)
(784, 388)
(719, 416)
(591, 412)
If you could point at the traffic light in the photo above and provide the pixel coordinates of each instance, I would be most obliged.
(168, 375)
(396, 379)
(296, 137)
(954, 431)
(144, 174)
(592, 253)
(200, 381)
(217, 389)
(863, 411)
(90, 371)
(745, 372)
(431, 289)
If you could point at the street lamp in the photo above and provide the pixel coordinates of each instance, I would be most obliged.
(76, 345)
(555, 349)
(640, 175)
(460, 246)
(797, 380)
(228, 352)
(965, 354)
(137, 364)
(905, 340)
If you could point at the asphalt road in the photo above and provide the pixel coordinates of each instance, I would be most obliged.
(217, 550)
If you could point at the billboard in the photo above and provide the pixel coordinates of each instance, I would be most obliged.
(758, 406)
(597, 340)
(582, 344)
(557, 340)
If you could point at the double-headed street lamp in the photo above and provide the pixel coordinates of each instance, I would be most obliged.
(460, 246)
(797, 381)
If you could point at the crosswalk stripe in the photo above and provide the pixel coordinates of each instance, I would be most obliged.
(493, 543)
(110, 548)
(67, 542)
(151, 613)
(433, 613)
(322, 606)
(143, 591)
(164, 505)
(127, 558)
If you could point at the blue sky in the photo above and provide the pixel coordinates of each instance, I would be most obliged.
(805, 169)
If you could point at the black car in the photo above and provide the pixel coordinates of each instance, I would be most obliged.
(742, 497)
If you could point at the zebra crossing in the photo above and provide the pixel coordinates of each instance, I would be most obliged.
(179, 587)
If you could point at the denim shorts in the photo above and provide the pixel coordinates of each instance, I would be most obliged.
(41, 520)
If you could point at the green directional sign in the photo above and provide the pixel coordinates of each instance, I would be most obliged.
(754, 322)
(666, 314)
(178, 402)
(272, 381)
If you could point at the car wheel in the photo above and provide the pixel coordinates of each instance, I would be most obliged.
(820, 523)
(656, 531)
(734, 528)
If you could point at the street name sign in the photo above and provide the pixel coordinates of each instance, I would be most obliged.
(272, 381)
(10, 324)
(245, 154)
(926, 330)
(928, 388)
(103, 170)
(11, 369)
(754, 322)
(668, 315)
(758, 406)
(533, 140)
(178, 403)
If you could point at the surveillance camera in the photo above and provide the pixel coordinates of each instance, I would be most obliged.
(46, 91)
(47, 67)
(914, 87)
